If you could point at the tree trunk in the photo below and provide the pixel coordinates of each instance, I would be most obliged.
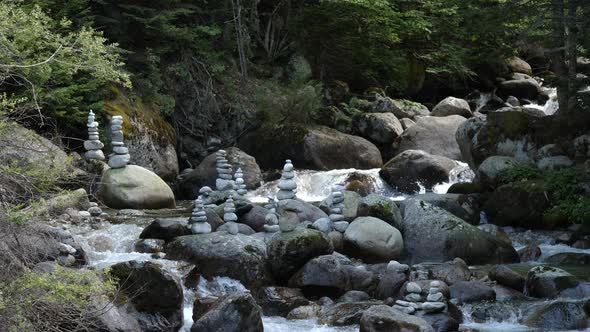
(558, 52)
(572, 53)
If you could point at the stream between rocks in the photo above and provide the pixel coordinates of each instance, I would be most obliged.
(112, 242)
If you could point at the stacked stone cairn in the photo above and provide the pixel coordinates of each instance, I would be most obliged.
(224, 172)
(93, 145)
(198, 220)
(240, 183)
(337, 208)
(230, 217)
(287, 185)
(435, 302)
(412, 299)
(271, 220)
(120, 157)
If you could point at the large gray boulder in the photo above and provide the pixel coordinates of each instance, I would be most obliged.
(383, 318)
(165, 229)
(236, 312)
(549, 282)
(518, 65)
(401, 108)
(334, 272)
(432, 134)
(134, 187)
(527, 88)
(221, 254)
(472, 291)
(381, 128)
(433, 234)
(288, 252)
(373, 239)
(408, 168)
(205, 173)
(255, 218)
(490, 169)
(452, 106)
(558, 315)
(155, 295)
(380, 207)
(507, 277)
(464, 137)
(466, 207)
(302, 210)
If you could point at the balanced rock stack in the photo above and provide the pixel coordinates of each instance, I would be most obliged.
(205, 193)
(240, 183)
(120, 158)
(287, 185)
(224, 172)
(412, 299)
(93, 145)
(229, 216)
(198, 220)
(337, 209)
(271, 220)
(435, 302)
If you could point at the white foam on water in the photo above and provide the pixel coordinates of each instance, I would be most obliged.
(552, 104)
(280, 324)
(461, 173)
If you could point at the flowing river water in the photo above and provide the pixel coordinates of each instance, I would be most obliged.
(113, 242)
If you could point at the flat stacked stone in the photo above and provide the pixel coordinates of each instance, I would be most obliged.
(93, 145)
(287, 185)
(224, 172)
(271, 220)
(337, 208)
(120, 157)
(198, 220)
(240, 183)
(230, 217)
(412, 300)
(435, 302)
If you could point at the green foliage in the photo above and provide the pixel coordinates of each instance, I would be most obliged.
(565, 189)
(296, 103)
(60, 70)
(63, 297)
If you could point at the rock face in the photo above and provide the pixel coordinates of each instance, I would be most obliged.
(452, 106)
(433, 234)
(205, 174)
(220, 254)
(381, 128)
(237, 312)
(411, 166)
(548, 282)
(558, 315)
(490, 169)
(288, 252)
(518, 204)
(134, 187)
(435, 135)
(382, 318)
(472, 291)
(401, 108)
(373, 240)
(155, 294)
(319, 148)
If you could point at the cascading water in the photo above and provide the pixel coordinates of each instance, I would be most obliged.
(551, 106)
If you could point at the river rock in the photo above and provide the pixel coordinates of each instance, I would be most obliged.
(165, 229)
(434, 135)
(464, 136)
(518, 204)
(549, 282)
(433, 234)
(150, 246)
(558, 315)
(344, 314)
(447, 273)
(279, 301)
(237, 256)
(507, 277)
(441, 322)
(288, 252)
(401, 108)
(529, 253)
(472, 291)
(154, 294)
(354, 296)
(382, 318)
(382, 128)
(242, 228)
(526, 88)
(490, 169)
(205, 173)
(412, 166)
(236, 312)
(452, 106)
(327, 273)
(351, 204)
(255, 218)
(134, 187)
(569, 258)
(57, 205)
(373, 239)
(518, 65)
(380, 207)
(302, 210)
(466, 207)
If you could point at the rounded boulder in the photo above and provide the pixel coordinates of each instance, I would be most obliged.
(373, 239)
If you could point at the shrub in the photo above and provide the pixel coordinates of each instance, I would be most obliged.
(518, 173)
